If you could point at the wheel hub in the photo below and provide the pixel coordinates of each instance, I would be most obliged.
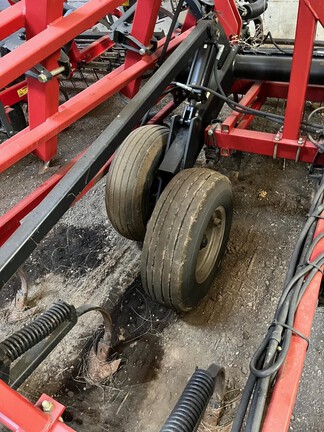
(210, 244)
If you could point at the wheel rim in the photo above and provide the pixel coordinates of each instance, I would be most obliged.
(210, 244)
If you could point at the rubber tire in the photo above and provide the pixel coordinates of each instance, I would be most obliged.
(174, 235)
(130, 179)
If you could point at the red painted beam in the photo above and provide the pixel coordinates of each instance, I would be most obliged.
(95, 49)
(247, 100)
(229, 17)
(317, 9)
(10, 221)
(280, 90)
(264, 143)
(43, 100)
(301, 64)
(142, 30)
(11, 19)
(18, 414)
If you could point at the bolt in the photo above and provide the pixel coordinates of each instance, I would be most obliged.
(218, 34)
(42, 78)
(210, 132)
(142, 51)
(300, 141)
(277, 138)
(47, 406)
(57, 71)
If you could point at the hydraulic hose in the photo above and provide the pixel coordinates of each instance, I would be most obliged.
(255, 9)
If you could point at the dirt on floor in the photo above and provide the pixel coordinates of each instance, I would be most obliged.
(83, 260)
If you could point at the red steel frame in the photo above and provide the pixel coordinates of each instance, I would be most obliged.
(232, 134)
(20, 415)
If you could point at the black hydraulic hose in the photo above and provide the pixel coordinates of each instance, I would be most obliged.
(274, 348)
(300, 242)
(306, 229)
(170, 32)
(191, 406)
(255, 9)
(244, 403)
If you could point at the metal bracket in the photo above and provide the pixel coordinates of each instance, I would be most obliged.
(121, 35)
(39, 71)
(142, 49)
(43, 75)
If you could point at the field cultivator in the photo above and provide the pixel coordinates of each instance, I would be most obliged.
(154, 194)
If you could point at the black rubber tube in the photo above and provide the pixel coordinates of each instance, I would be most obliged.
(272, 68)
(255, 9)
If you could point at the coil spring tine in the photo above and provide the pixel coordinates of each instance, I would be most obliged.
(193, 401)
(21, 341)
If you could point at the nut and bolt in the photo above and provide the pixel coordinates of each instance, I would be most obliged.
(42, 78)
(47, 406)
